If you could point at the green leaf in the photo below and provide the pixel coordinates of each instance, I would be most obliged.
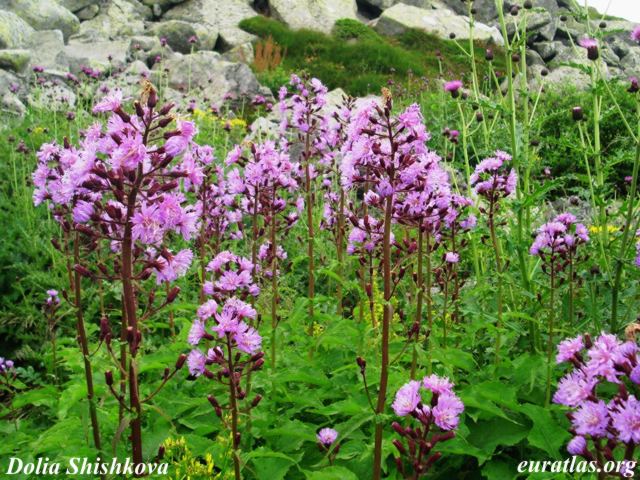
(270, 465)
(332, 473)
(488, 435)
(546, 434)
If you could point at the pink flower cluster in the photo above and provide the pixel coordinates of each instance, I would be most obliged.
(441, 410)
(615, 418)
(559, 238)
(125, 180)
(493, 179)
(232, 275)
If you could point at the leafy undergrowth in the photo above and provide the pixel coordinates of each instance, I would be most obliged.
(359, 60)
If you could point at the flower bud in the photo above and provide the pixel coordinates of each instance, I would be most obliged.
(180, 362)
(258, 365)
(362, 363)
(108, 377)
(173, 293)
(213, 401)
(577, 113)
(256, 401)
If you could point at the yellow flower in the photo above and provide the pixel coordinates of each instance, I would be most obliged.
(38, 130)
(596, 229)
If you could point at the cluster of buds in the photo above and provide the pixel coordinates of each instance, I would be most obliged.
(437, 419)
(601, 424)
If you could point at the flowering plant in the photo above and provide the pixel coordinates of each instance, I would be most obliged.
(438, 419)
(602, 424)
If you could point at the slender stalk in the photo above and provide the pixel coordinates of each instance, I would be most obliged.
(419, 296)
(340, 250)
(496, 249)
(130, 307)
(233, 405)
(429, 300)
(551, 327)
(631, 203)
(310, 229)
(274, 290)
(84, 345)
(386, 322)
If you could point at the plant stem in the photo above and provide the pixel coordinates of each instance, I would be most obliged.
(551, 327)
(386, 322)
(130, 307)
(274, 289)
(233, 405)
(310, 230)
(631, 201)
(340, 250)
(84, 346)
(496, 249)
(419, 296)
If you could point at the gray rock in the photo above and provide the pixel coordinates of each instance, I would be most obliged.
(88, 12)
(47, 50)
(547, 50)
(15, 60)
(318, 15)
(146, 49)
(486, 11)
(117, 19)
(77, 5)
(206, 75)
(101, 55)
(178, 32)
(221, 16)
(534, 58)
(11, 104)
(130, 80)
(10, 82)
(630, 64)
(14, 31)
(440, 22)
(161, 5)
(562, 76)
(571, 28)
(43, 15)
(240, 53)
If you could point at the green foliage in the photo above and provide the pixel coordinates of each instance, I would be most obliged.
(358, 59)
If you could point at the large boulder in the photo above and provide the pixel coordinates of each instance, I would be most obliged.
(43, 15)
(318, 15)
(440, 22)
(101, 55)
(47, 50)
(15, 60)
(221, 16)
(208, 77)
(117, 19)
(77, 5)
(486, 11)
(178, 33)
(14, 31)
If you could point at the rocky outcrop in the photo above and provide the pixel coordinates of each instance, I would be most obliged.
(209, 76)
(14, 31)
(219, 17)
(318, 15)
(43, 15)
(441, 22)
(197, 48)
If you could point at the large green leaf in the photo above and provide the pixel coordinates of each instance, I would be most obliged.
(546, 434)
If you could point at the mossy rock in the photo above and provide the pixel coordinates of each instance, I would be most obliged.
(14, 31)
(43, 15)
(15, 60)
